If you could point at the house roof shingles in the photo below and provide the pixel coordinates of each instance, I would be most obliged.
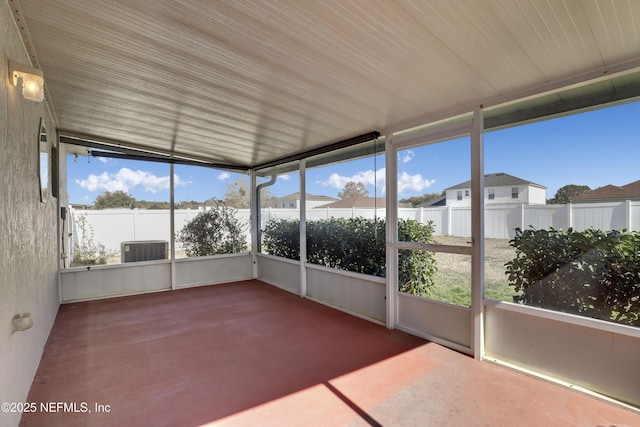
(611, 192)
(356, 202)
(361, 202)
(296, 196)
(499, 179)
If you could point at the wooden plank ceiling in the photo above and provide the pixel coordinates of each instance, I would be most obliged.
(246, 82)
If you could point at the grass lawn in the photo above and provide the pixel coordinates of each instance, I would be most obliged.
(453, 279)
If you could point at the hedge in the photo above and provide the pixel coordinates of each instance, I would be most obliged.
(591, 273)
(356, 244)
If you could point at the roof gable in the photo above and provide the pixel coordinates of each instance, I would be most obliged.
(611, 192)
(498, 179)
(633, 187)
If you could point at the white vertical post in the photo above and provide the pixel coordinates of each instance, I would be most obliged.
(253, 214)
(303, 228)
(61, 251)
(477, 232)
(172, 225)
(522, 220)
(569, 215)
(449, 220)
(391, 231)
(135, 220)
(628, 215)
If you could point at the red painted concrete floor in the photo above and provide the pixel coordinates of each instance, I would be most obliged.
(248, 354)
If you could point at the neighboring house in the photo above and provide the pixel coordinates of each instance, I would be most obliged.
(610, 193)
(292, 201)
(440, 201)
(81, 207)
(499, 188)
(361, 202)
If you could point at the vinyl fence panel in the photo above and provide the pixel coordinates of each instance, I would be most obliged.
(112, 226)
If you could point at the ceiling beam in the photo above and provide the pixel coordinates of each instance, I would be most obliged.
(165, 159)
(320, 150)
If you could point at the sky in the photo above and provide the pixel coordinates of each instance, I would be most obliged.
(594, 148)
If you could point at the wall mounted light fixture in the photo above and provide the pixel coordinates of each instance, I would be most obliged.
(32, 80)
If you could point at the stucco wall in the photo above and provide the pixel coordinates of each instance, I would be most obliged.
(28, 234)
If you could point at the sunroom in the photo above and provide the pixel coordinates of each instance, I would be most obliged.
(322, 315)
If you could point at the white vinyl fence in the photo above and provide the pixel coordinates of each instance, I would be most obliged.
(500, 221)
(111, 227)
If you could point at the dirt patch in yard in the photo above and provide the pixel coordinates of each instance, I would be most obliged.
(453, 279)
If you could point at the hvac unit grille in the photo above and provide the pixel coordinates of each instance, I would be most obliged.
(143, 250)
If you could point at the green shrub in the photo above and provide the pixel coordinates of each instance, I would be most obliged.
(416, 268)
(214, 231)
(355, 244)
(281, 237)
(592, 273)
(352, 244)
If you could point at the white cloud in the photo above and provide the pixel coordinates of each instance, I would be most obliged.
(415, 182)
(126, 179)
(406, 182)
(103, 160)
(286, 177)
(368, 177)
(223, 176)
(406, 156)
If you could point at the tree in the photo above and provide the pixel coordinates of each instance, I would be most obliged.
(214, 231)
(238, 195)
(568, 192)
(116, 199)
(418, 200)
(353, 189)
(267, 198)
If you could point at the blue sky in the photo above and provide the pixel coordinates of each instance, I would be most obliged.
(595, 148)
